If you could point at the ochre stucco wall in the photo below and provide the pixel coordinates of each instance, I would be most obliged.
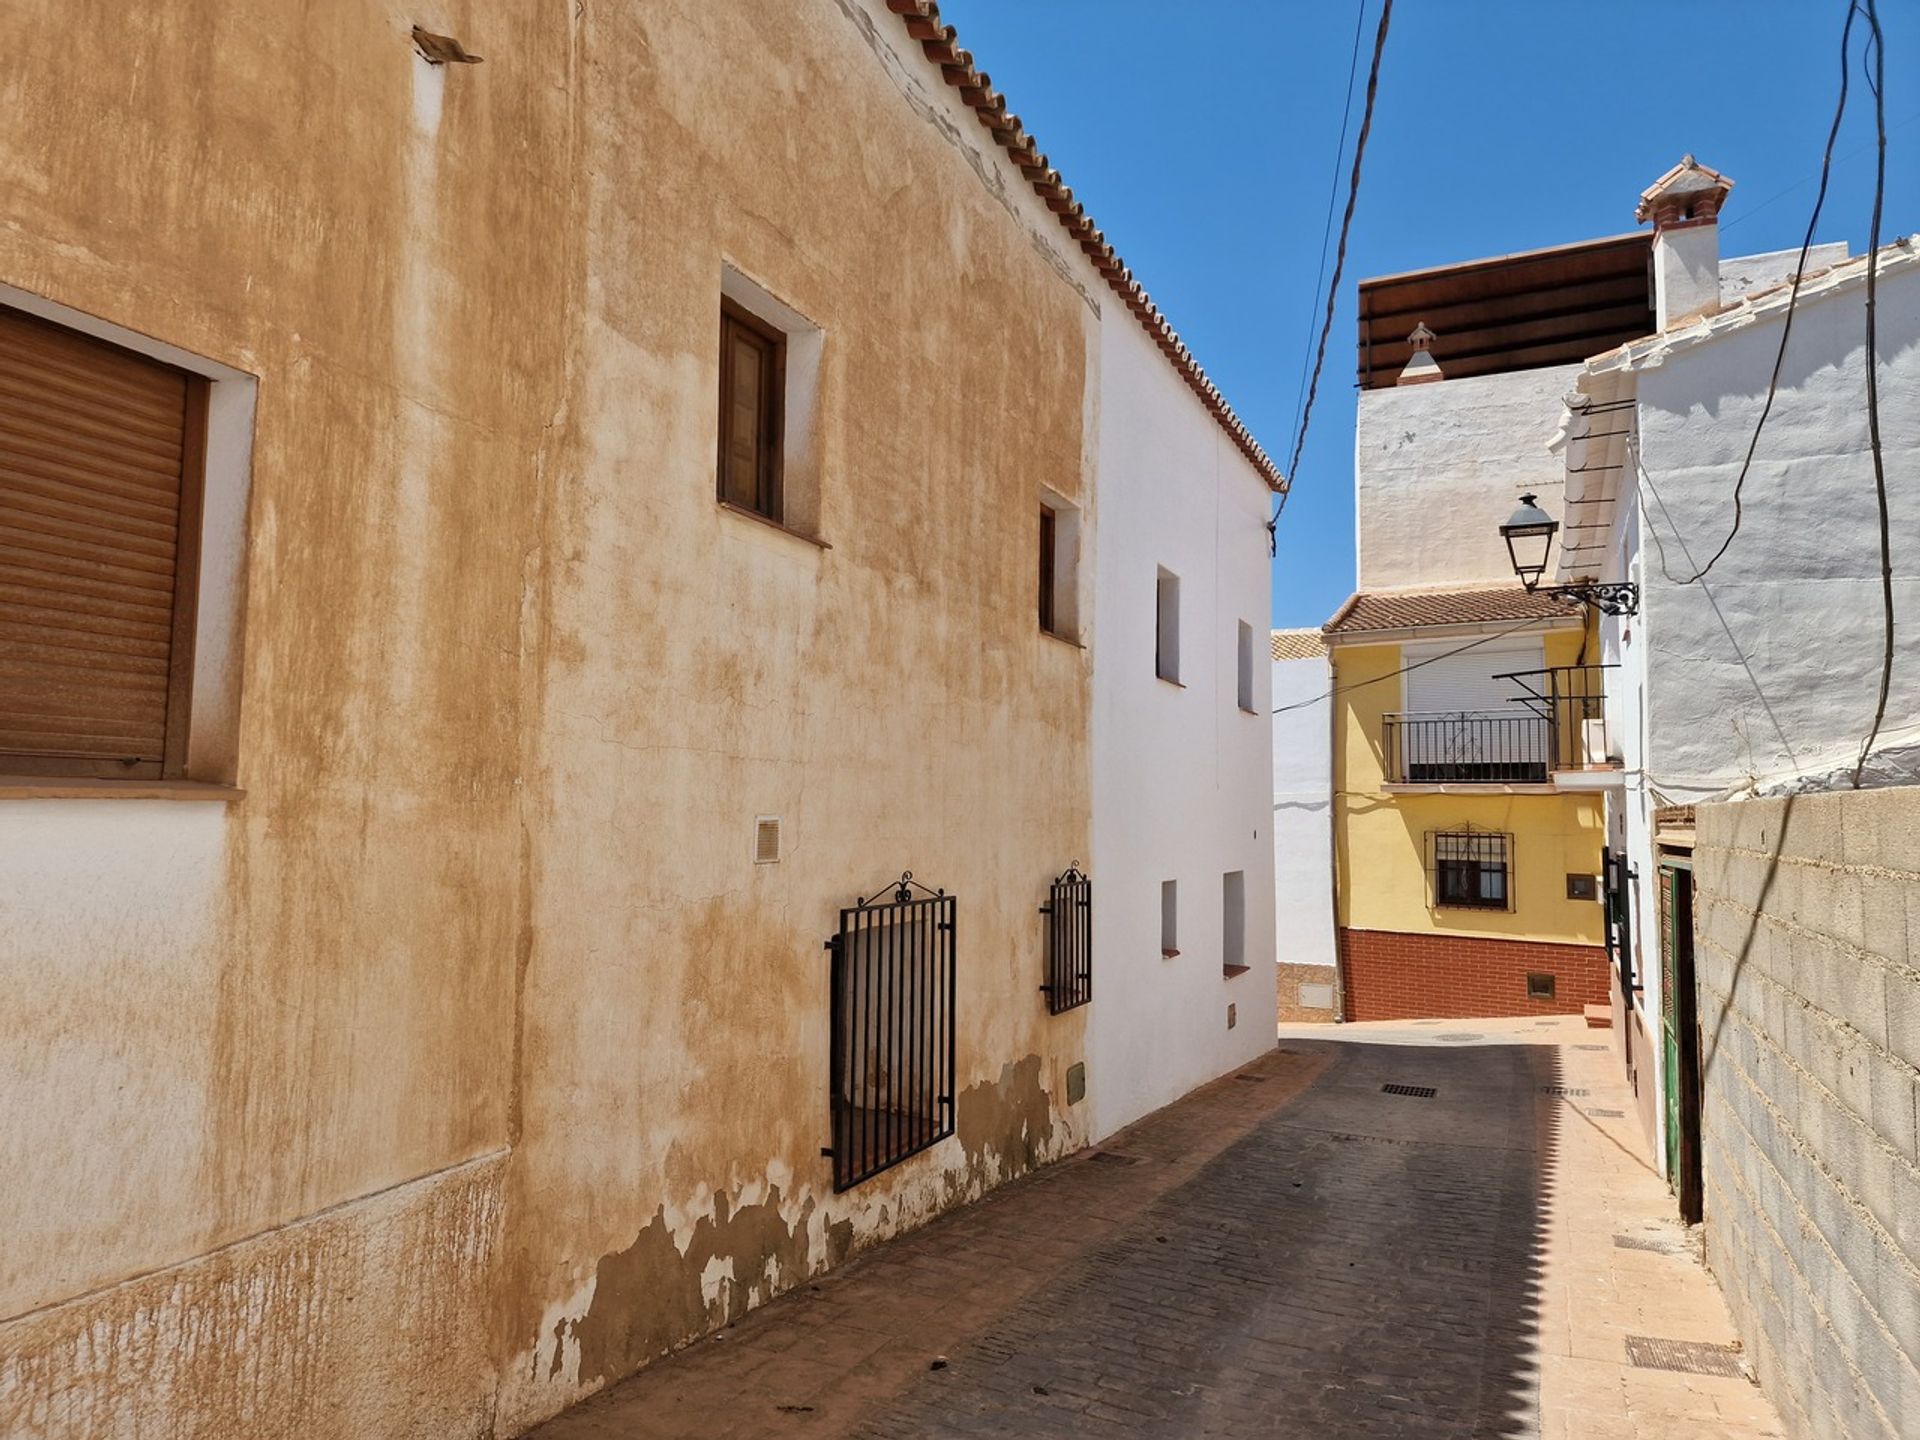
(471, 1032)
(1380, 837)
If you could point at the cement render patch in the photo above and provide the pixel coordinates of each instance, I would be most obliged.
(1306, 1256)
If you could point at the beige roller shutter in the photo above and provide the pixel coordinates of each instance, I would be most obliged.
(100, 461)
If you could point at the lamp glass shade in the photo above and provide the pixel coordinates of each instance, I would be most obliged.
(1529, 536)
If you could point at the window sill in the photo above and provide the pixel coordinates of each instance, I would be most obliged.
(1248, 710)
(1229, 971)
(757, 518)
(1166, 954)
(1169, 680)
(53, 787)
(1066, 640)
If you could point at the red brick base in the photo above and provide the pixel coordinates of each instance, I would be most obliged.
(1392, 976)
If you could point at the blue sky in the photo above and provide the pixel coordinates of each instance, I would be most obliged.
(1201, 134)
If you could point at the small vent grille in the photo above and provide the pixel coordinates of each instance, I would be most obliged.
(1592, 1047)
(1418, 1092)
(1606, 1114)
(766, 840)
(1458, 1037)
(1690, 1357)
(1564, 1092)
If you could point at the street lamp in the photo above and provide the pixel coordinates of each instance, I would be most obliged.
(1529, 536)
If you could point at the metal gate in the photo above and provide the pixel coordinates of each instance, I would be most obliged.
(1616, 888)
(891, 1087)
(1680, 1037)
(1069, 912)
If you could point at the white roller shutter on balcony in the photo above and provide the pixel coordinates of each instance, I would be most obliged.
(1464, 682)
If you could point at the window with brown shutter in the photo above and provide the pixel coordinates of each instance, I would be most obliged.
(1047, 542)
(101, 460)
(752, 376)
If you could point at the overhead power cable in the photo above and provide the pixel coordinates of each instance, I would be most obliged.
(1876, 82)
(1339, 257)
(1328, 694)
(1793, 298)
(1333, 197)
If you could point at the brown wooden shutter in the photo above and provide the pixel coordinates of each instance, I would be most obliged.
(752, 375)
(100, 461)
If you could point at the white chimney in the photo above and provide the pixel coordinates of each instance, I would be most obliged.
(1684, 206)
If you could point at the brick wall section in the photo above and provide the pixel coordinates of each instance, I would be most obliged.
(1805, 910)
(1290, 978)
(1394, 976)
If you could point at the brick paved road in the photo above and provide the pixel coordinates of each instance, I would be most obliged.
(1303, 1256)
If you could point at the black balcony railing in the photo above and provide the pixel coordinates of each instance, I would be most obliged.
(891, 1088)
(1557, 722)
(1468, 747)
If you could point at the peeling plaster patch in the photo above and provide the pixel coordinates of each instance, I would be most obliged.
(1005, 1125)
(652, 1296)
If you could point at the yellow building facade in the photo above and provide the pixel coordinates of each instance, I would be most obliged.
(1532, 942)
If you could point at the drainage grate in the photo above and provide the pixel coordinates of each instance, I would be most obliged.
(1592, 1047)
(1114, 1157)
(1418, 1092)
(1691, 1357)
(1251, 1079)
(1564, 1091)
(1457, 1037)
(1606, 1114)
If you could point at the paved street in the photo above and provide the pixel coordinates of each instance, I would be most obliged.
(1292, 1251)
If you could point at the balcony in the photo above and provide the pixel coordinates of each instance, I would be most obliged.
(1554, 734)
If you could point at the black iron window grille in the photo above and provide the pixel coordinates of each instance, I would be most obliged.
(1069, 912)
(891, 1087)
(1471, 869)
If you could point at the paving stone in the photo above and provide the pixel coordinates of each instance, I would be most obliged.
(1314, 1262)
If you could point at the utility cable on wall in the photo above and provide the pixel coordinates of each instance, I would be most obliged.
(1339, 263)
(1793, 298)
(1876, 82)
(1328, 694)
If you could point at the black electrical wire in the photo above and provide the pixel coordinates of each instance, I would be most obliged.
(1339, 257)
(1876, 81)
(1328, 694)
(1793, 298)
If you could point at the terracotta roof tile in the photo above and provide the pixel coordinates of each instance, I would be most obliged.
(1409, 609)
(1298, 644)
(942, 47)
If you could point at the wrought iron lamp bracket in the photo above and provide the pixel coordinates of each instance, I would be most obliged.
(1615, 597)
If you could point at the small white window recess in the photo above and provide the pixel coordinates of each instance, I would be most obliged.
(766, 840)
(1166, 650)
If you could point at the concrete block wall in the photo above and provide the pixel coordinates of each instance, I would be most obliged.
(1805, 911)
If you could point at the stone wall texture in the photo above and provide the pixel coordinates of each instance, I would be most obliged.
(1810, 1033)
(1296, 985)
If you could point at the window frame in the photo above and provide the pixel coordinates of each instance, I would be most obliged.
(1243, 665)
(1490, 852)
(769, 460)
(1049, 606)
(1166, 625)
(183, 621)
